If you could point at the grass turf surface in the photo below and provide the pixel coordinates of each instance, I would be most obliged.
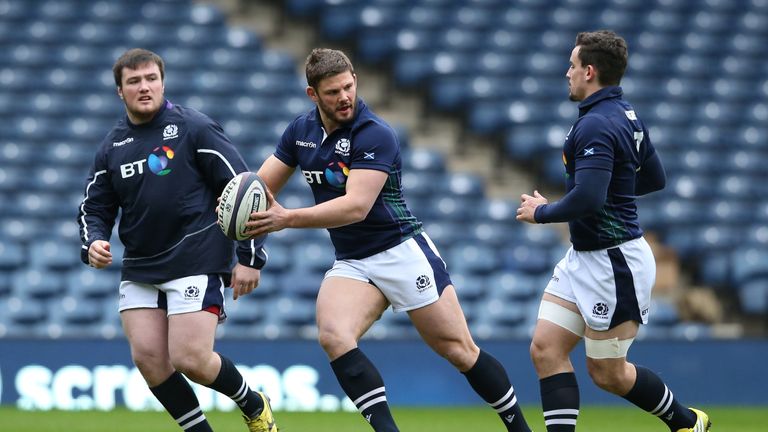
(475, 419)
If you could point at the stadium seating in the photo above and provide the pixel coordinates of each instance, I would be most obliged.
(498, 65)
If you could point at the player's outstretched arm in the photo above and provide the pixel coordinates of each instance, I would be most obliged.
(362, 189)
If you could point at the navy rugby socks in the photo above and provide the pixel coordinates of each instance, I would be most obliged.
(362, 382)
(178, 398)
(231, 383)
(651, 394)
(560, 402)
(490, 381)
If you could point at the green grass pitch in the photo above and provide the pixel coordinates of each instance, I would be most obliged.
(475, 419)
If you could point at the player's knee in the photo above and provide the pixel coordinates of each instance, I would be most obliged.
(605, 376)
(152, 366)
(334, 341)
(462, 355)
(189, 361)
(541, 352)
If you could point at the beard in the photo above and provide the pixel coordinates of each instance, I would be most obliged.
(333, 115)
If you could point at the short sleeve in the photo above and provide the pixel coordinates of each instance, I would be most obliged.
(286, 150)
(375, 147)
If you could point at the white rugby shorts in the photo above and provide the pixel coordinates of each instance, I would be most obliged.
(609, 286)
(178, 296)
(411, 275)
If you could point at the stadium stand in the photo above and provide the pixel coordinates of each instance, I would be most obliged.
(697, 75)
(694, 76)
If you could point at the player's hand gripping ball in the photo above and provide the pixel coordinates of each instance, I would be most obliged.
(244, 194)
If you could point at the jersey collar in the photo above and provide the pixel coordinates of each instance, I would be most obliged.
(609, 92)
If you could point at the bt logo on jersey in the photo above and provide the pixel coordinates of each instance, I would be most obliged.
(132, 168)
(335, 174)
(157, 162)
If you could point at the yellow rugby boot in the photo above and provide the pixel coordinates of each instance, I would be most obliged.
(702, 422)
(264, 422)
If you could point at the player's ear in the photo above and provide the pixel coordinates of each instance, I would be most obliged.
(590, 73)
(312, 93)
(120, 92)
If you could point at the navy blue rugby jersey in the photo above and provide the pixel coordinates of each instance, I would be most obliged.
(607, 136)
(164, 177)
(367, 142)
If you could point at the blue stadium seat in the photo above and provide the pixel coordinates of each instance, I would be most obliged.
(303, 8)
(525, 142)
(26, 311)
(753, 296)
(502, 313)
(88, 282)
(294, 311)
(663, 312)
(516, 286)
(463, 185)
(489, 233)
(37, 283)
(469, 287)
(714, 268)
(18, 229)
(526, 258)
(5, 283)
(96, 33)
(756, 234)
(312, 256)
(246, 311)
(53, 255)
(19, 11)
(301, 284)
(423, 160)
(747, 264)
(498, 210)
(444, 234)
(77, 311)
(472, 259)
(57, 179)
(690, 187)
(340, 20)
(540, 235)
(449, 208)
(66, 154)
(12, 255)
(691, 331)
(420, 185)
(74, 56)
(737, 187)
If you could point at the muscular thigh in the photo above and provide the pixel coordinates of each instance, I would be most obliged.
(193, 331)
(146, 330)
(348, 306)
(442, 320)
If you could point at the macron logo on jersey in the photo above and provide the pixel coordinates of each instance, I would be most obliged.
(307, 144)
(631, 114)
(123, 142)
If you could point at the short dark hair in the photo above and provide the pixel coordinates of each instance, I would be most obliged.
(324, 62)
(606, 51)
(132, 59)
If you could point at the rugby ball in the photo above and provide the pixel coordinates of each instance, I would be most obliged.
(244, 194)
